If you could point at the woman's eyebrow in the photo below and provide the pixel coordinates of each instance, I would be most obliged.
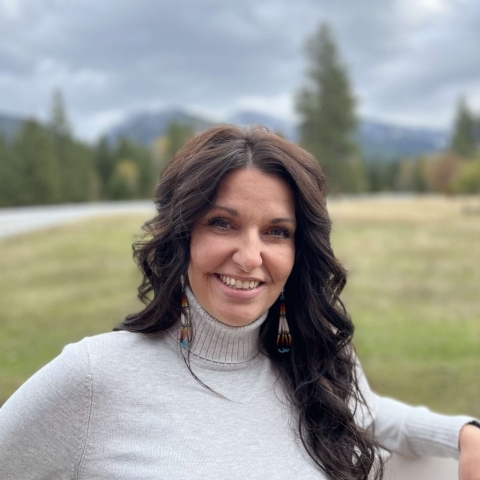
(231, 211)
(284, 219)
(276, 220)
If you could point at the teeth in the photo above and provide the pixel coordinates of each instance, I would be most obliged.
(239, 284)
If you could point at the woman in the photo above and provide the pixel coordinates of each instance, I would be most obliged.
(240, 366)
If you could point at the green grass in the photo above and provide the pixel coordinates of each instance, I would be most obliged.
(413, 294)
(60, 285)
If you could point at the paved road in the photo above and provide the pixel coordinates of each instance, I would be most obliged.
(15, 221)
(18, 220)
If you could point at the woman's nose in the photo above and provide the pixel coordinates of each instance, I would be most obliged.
(248, 254)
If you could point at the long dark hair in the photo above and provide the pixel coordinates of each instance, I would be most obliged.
(319, 373)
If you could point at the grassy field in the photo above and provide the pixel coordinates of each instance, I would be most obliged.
(413, 293)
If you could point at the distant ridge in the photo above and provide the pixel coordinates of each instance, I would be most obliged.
(10, 126)
(379, 141)
(382, 141)
(145, 127)
(277, 125)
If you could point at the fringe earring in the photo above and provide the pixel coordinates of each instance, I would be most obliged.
(186, 331)
(284, 339)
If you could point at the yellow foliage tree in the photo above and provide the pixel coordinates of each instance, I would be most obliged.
(124, 182)
(440, 171)
(467, 179)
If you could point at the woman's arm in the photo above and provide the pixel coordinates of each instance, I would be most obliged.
(411, 431)
(469, 468)
(416, 431)
(43, 426)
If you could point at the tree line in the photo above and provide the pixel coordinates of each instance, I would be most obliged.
(46, 164)
(328, 124)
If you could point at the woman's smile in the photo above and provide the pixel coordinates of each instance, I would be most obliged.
(234, 292)
(241, 255)
(239, 284)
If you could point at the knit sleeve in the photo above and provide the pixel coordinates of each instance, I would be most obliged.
(417, 431)
(43, 426)
(412, 431)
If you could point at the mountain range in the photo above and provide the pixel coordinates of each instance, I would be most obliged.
(379, 141)
(10, 125)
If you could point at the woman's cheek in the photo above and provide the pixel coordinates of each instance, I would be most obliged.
(282, 264)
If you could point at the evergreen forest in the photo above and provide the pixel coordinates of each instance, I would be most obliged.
(47, 164)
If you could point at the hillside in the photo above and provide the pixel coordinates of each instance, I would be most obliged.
(381, 141)
(10, 125)
(378, 141)
(145, 127)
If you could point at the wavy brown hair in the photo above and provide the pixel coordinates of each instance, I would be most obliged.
(319, 373)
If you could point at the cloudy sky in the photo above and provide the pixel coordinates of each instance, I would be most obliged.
(408, 60)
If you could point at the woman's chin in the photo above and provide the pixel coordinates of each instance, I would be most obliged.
(235, 318)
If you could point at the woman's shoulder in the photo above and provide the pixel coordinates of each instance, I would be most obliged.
(110, 341)
(124, 346)
(120, 360)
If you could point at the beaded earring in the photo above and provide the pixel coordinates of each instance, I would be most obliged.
(186, 331)
(284, 339)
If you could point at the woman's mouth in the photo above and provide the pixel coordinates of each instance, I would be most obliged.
(237, 284)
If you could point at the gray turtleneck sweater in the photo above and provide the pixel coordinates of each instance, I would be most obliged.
(124, 406)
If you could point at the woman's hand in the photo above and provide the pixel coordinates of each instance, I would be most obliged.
(469, 441)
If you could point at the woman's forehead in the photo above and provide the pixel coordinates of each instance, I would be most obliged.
(254, 181)
(255, 193)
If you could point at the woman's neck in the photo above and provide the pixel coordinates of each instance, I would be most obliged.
(218, 343)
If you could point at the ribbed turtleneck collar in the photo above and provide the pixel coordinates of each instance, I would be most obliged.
(219, 343)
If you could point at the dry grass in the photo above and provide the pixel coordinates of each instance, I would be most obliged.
(413, 294)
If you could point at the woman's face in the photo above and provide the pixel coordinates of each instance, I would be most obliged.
(242, 251)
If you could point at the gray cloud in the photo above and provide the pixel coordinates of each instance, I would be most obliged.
(408, 59)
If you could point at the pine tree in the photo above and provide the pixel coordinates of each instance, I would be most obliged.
(75, 160)
(177, 135)
(104, 163)
(147, 174)
(326, 107)
(36, 166)
(7, 183)
(463, 139)
(59, 123)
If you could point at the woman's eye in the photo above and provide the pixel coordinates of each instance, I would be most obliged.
(218, 222)
(280, 232)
